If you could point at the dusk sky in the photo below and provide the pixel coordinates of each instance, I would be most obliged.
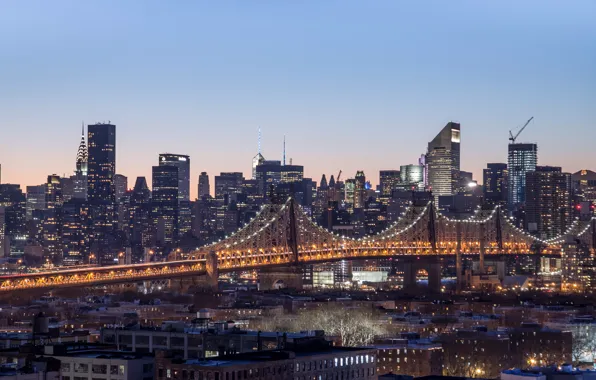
(354, 85)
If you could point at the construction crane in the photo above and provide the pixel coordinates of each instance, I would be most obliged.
(513, 138)
(338, 177)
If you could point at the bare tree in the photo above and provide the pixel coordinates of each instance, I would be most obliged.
(355, 327)
(584, 342)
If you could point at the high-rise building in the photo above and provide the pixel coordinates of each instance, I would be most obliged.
(494, 179)
(182, 162)
(120, 185)
(548, 201)
(228, 184)
(443, 160)
(67, 184)
(291, 173)
(584, 185)
(165, 203)
(140, 229)
(36, 199)
(204, 190)
(101, 163)
(359, 190)
(13, 202)
(349, 189)
(101, 193)
(388, 181)
(74, 231)
(268, 174)
(81, 171)
(523, 158)
(52, 224)
(411, 177)
(258, 159)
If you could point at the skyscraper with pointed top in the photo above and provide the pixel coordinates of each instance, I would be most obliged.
(80, 177)
(258, 159)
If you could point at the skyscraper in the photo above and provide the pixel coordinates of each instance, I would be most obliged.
(140, 230)
(495, 183)
(120, 185)
(412, 176)
(101, 192)
(228, 184)
(165, 203)
(359, 190)
(388, 180)
(548, 201)
(204, 190)
(182, 162)
(52, 224)
(258, 159)
(101, 163)
(36, 199)
(523, 158)
(292, 173)
(443, 160)
(268, 174)
(81, 170)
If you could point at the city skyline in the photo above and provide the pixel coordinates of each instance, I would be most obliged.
(353, 70)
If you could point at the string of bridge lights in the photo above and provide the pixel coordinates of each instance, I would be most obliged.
(383, 235)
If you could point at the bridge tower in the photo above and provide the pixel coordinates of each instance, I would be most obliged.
(286, 276)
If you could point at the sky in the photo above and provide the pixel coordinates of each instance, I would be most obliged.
(353, 85)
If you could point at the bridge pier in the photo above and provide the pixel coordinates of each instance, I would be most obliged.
(212, 272)
(432, 267)
(410, 270)
(434, 275)
(280, 277)
(458, 261)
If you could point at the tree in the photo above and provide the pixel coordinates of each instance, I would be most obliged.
(584, 342)
(355, 327)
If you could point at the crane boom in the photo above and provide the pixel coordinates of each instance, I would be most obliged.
(512, 138)
(338, 177)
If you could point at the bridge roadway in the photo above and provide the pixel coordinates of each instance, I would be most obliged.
(283, 235)
(120, 274)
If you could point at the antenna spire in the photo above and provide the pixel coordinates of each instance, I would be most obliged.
(284, 156)
(83, 128)
(259, 143)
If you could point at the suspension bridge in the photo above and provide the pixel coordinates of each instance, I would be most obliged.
(283, 235)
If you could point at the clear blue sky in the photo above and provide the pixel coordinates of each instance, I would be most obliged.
(352, 84)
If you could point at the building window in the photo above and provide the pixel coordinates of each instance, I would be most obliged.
(100, 369)
(65, 367)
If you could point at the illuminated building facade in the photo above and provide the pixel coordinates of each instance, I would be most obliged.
(584, 185)
(228, 184)
(81, 170)
(292, 173)
(101, 194)
(165, 203)
(268, 174)
(443, 160)
(412, 177)
(36, 199)
(74, 231)
(522, 159)
(495, 183)
(52, 224)
(359, 190)
(548, 201)
(182, 162)
(13, 202)
(388, 180)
